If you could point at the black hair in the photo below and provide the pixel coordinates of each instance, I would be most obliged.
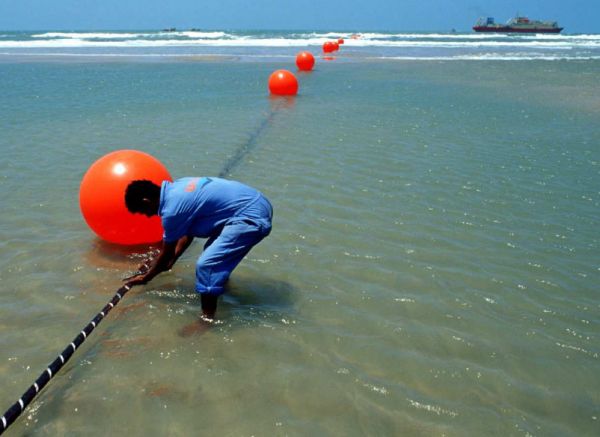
(139, 190)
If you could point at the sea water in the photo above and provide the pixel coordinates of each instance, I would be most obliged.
(434, 262)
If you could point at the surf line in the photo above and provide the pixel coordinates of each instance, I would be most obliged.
(18, 407)
(243, 150)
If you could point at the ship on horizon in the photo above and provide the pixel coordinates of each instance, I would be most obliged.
(517, 25)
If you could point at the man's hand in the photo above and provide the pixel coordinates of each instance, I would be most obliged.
(161, 263)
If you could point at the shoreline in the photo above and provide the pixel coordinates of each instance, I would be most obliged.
(9, 58)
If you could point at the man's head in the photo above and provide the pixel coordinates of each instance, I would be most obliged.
(143, 197)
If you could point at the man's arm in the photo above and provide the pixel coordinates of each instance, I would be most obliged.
(162, 262)
(182, 244)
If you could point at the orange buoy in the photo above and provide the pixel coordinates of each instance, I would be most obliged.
(340, 41)
(102, 197)
(283, 83)
(336, 46)
(328, 47)
(305, 61)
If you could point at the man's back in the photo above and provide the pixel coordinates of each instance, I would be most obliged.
(201, 206)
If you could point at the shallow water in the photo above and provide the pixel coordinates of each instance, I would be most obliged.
(432, 269)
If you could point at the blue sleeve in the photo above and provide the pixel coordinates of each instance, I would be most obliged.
(175, 227)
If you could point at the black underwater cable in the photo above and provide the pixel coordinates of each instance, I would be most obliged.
(18, 407)
(248, 146)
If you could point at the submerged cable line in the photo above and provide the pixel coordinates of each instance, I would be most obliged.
(244, 149)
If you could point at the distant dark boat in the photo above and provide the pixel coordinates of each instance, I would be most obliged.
(517, 25)
(170, 29)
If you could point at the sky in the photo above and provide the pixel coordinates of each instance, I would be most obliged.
(577, 16)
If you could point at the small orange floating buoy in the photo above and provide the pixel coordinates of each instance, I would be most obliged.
(102, 197)
(340, 41)
(305, 61)
(328, 47)
(283, 83)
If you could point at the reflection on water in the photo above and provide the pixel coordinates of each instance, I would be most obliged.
(106, 255)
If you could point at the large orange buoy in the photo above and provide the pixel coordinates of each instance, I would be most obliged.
(328, 47)
(102, 197)
(305, 61)
(336, 46)
(283, 83)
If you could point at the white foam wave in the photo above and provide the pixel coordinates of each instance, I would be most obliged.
(82, 43)
(328, 35)
(480, 57)
(201, 35)
(449, 36)
(387, 36)
(318, 35)
(489, 57)
(477, 44)
(247, 41)
(562, 37)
